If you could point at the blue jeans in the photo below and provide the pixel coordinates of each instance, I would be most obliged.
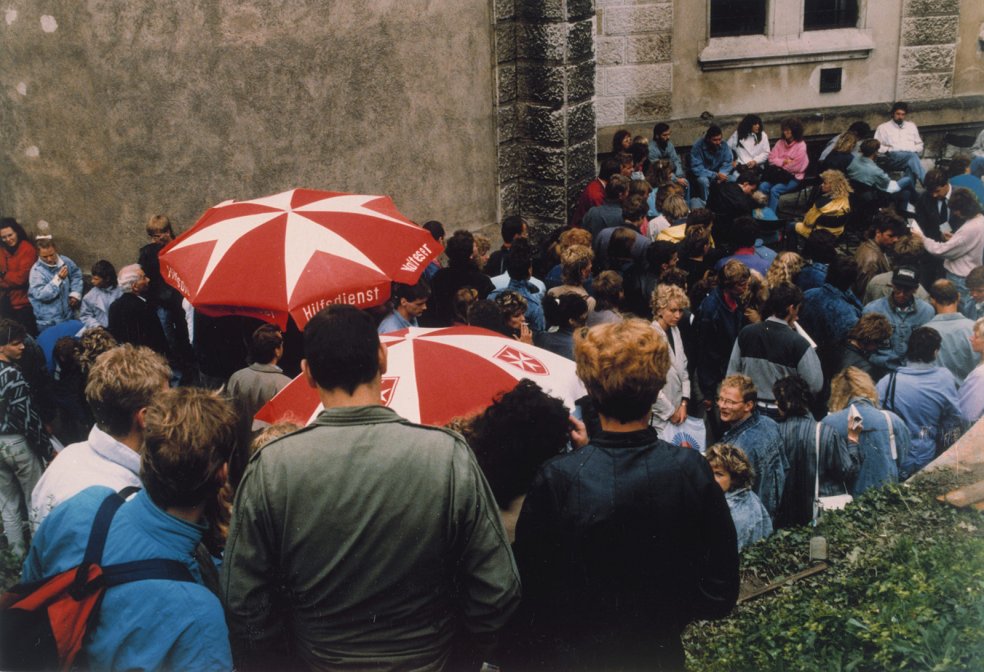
(774, 191)
(20, 470)
(908, 162)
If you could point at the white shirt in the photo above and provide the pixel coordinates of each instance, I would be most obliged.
(963, 251)
(748, 150)
(502, 281)
(102, 460)
(895, 139)
(677, 384)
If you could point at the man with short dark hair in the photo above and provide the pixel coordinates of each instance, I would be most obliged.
(830, 310)
(770, 350)
(901, 144)
(23, 439)
(954, 329)
(363, 512)
(744, 234)
(871, 255)
(409, 303)
(594, 193)
(975, 287)
(711, 160)
(660, 147)
(120, 385)
(720, 318)
(513, 227)
(609, 213)
(905, 313)
(864, 170)
(258, 383)
(519, 265)
(924, 395)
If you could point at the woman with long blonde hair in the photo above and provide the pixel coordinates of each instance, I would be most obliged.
(830, 209)
(878, 440)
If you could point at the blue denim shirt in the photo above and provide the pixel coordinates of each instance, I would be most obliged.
(829, 313)
(872, 452)
(904, 321)
(759, 437)
(752, 521)
(707, 162)
(534, 305)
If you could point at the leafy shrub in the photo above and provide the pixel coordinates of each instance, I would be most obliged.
(905, 591)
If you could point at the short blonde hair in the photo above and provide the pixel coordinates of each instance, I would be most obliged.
(121, 382)
(623, 366)
(573, 261)
(744, 384)
(979, 328)
(849, 383)
(159, 224)
(666, 295)
(675, 207)
(734, 461)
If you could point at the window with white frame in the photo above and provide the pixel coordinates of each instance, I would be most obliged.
(749, 33)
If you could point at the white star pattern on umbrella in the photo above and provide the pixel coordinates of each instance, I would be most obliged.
(303, 237)
(522, 361)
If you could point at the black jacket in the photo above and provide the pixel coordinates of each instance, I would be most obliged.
(620, 545)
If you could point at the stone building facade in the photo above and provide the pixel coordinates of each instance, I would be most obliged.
(928, 52)
(462, 111)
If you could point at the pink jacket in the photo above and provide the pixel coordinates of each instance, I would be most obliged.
(795, 152)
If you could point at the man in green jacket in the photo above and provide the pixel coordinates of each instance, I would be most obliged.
(364, 541)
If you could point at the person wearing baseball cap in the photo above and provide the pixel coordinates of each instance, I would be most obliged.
(904, 311)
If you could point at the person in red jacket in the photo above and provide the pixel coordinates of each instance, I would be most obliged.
(17, 256)
(594, 192)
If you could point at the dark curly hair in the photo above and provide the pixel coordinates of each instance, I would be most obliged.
(521, 430)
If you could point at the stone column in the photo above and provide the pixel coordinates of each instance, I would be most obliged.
(928, 49)
(545, 115)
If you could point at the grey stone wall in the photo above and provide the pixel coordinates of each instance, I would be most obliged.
(635, 61)
(929, 48)
(545, 116)
(113, 110)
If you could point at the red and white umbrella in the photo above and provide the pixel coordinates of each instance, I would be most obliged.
(295, 253)
(434, 375)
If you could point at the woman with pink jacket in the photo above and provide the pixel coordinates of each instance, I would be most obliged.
(787, 162)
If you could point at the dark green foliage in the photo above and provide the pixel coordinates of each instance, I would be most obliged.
(905, 591)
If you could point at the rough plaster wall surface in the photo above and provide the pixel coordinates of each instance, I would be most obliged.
(114, 110)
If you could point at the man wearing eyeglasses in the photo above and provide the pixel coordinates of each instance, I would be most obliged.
(757, 435)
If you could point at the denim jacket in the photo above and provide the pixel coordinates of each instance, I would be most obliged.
(872, 452)
(49, 294)
(759, 437)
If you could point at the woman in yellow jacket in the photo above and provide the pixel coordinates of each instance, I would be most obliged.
(833, 205)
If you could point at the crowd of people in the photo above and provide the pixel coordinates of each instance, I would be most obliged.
(739, 367)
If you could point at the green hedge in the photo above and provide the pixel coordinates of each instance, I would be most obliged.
(905, 591)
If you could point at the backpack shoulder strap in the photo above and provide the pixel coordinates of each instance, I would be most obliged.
(140, 570)
(97, 538)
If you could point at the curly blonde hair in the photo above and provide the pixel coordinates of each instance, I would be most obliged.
(734, 461)
(623, 366)
(849, 383)
(839, 186)
(783, 269)
(666, 295)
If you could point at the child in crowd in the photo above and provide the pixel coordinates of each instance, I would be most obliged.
(735, 475)
(96, 302)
